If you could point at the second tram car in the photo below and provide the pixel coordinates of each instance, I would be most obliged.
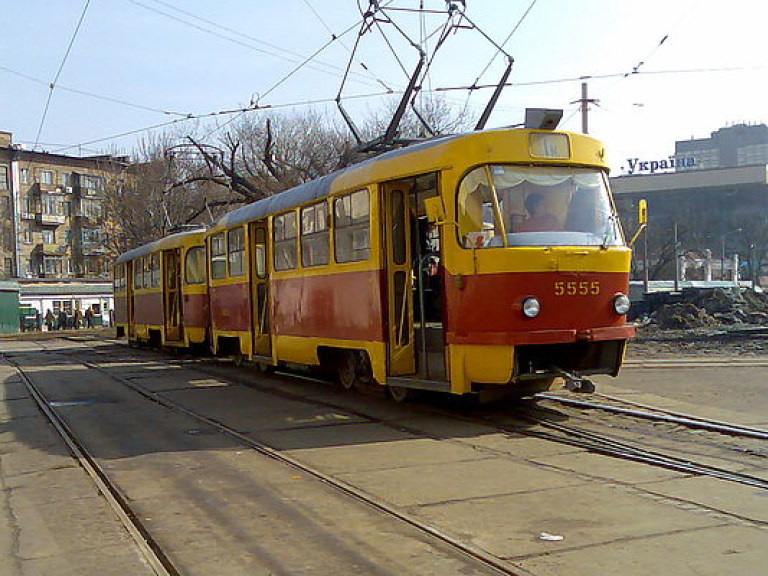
(486, 261)
(161, 292)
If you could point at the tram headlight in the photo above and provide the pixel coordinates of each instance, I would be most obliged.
(621, 304)
(531, 307)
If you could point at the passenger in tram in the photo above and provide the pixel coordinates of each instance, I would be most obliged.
(539, 218)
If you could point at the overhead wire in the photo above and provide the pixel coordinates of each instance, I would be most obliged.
(328, 28)
(237, 111)
(507, 39)
(92, 95)
(274, 50)
(205, 30)
(282, 80)
(52, 85)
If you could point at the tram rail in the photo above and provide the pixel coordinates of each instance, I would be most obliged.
(493, 563)
(528, 425)
(647, 412)
(147, 545)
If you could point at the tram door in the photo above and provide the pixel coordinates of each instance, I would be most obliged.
(262, 342)
(399, 278)
(129, 311)
(172, 295)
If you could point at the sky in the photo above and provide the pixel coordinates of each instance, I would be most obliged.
(123, 71)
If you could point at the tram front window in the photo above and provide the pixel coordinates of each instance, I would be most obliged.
(506, 205)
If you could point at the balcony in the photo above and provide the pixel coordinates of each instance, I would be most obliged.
(45, 219)
(51, 249)
(94, 250)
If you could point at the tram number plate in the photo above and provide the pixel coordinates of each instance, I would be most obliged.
(584, 288)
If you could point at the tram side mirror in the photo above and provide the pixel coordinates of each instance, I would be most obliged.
(642, 220)
(435, 209)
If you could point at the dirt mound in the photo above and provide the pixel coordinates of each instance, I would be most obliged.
(683, 315)
(711, 308)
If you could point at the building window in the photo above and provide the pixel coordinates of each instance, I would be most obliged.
(3, 178)
(218, 257)
(45, 176)
(8, 267)
(27, 236)
(5, 207)
(236, 247)
(49, 236)
(52, 266)
(92, 184)
(285, 241)
(351, 227)
(314, 235)
(65, 179)
(52, 205)
(89, 236)
(90, 209)
(25, 175)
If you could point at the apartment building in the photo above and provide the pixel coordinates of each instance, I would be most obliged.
(51, 210)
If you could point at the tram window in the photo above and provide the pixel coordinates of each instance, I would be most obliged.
(260, 254)
(236, 249)
(285, 241)
(476, 211)
(536, 206)
(194, 266)
(154, 270)
(352, 227)
(119, 276)
(138, 273)
(147, 272)
(399, 245)
(218, 257)
(314, 235)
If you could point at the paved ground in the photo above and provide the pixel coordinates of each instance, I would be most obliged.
(500, 493)
(53, 521)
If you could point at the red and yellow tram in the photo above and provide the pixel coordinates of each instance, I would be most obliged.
(486, 261)
(161, 292)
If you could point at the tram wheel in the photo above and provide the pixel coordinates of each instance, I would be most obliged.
(346, 370)
(400, 394)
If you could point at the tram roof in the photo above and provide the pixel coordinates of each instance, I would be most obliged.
(314, 189)
(171, 241)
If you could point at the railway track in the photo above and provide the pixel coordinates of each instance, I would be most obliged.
(578, 437)
(593, 442)
(162, 565)
(617, 405)
(151, 551)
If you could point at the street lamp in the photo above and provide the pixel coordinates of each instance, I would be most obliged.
(722, 253)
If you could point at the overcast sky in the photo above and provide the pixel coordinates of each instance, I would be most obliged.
(701, 65)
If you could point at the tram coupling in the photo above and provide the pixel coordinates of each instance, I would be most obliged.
(576, 383)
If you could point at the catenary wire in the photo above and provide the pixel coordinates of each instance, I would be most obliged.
(52, 85)
(92, 95)
(275, 51)
(348, 49)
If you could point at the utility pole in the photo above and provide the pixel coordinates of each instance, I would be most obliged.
(677, 260)
(584, 102)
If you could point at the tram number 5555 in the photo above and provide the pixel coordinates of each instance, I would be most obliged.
(577, 288)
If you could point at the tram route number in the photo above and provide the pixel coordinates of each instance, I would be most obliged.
(577, 288)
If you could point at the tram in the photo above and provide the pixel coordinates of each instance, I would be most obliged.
(161, 293)
(488, 261)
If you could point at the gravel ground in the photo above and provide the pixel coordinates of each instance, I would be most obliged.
(652, 341)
